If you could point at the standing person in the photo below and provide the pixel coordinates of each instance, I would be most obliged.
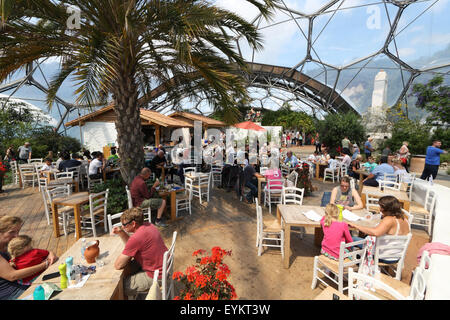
(368, 149)
(10, 288)
(317, 143)
(403, 154)
(300, 139)
(143, 198)
(432, 160)
(145, 245)
(10, 155)
(334, 232)
(385, 153)
(3, 170)
(345, 145)
(356, 151)
(288, 139)
(283, 137)
(24, 152)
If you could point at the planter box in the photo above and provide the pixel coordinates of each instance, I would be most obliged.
(417, 164)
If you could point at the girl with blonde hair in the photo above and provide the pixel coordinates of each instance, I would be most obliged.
(334, 232)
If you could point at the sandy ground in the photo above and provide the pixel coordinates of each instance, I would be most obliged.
(231, 224)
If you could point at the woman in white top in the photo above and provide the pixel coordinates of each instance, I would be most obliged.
(393, 221)
(400, 171)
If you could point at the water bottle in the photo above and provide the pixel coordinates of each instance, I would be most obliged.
(83, 247)
(340, 207)
(62, 271)
(39, 293)
(69, 263)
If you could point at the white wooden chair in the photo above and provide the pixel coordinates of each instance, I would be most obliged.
(189, 169)
(390, 177)
(292, 195)
(357, 287)
(216, 174)
(273, 192)
(202, 187)
(167, 271)
(420, 277)
(352, 183)
(273, 233)
(111, 218)
(262, 170)
(91, 183)
(64, 213)
(76, 174)
(146, 211)
(35, 160)
(294, 183)
(27, 174)
(98, 210)
(343, 170)
(284, 170)
(389, 185)
(339, 268)
(331, 173)
(409, 216)
(372, 203)
(37, 168)
(423, 214)
(184, 202)
(64, 176)
(155, 290)
(42, 182)
(392, 248)
(15, 171)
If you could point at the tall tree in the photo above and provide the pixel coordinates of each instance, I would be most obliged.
(122, 49)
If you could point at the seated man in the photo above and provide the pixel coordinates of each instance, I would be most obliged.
(291, 160)
(378, 173)
(158, 163)
(67, 162)
(144, 199)
(251, 181)
(113, 155)
(370, 164)
(147, 248)
(97, 166)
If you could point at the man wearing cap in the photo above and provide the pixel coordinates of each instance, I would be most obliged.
(24, 152)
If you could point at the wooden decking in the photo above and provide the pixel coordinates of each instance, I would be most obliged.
(28, 204)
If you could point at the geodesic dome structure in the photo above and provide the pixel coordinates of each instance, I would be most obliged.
(319, 56)
(322, 56)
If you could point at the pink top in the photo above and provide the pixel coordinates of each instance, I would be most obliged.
(147, 247)
(333, 235)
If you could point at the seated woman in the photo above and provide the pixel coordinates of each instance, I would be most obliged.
(400, 171)
(355, 165)
(371, 164)
(393, 221)
(10, 287)
(346, 196)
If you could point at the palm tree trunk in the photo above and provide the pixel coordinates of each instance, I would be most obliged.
(129, 129)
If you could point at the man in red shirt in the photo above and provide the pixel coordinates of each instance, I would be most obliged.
(145, 245)
(143, 198)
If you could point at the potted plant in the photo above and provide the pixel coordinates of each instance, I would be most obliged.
(207, 279)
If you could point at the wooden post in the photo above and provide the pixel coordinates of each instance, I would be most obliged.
(157, 134)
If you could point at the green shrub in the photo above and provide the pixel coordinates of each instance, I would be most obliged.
(416, 133)
(117, 197)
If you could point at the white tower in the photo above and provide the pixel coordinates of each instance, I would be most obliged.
(379, 95)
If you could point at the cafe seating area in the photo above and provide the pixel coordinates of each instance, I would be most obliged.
(288, 233)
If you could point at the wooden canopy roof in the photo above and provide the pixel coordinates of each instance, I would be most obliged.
(148, 117)
(191, 117)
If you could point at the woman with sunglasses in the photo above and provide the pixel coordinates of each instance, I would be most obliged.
(10, 288)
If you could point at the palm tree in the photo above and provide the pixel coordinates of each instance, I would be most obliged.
(125, 48)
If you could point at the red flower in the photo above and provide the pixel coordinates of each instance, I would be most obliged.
(188, 296)
(204, 296)
(199, 251)
(177, 275)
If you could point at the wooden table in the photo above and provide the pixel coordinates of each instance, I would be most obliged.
(75, 200)
(362, 173)
(402, 196)
(319, 167)
(49, 174)
(105, 284)
(109, 171)
(173, 202)
(327, 294)
(261, 180)
(292, 215)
